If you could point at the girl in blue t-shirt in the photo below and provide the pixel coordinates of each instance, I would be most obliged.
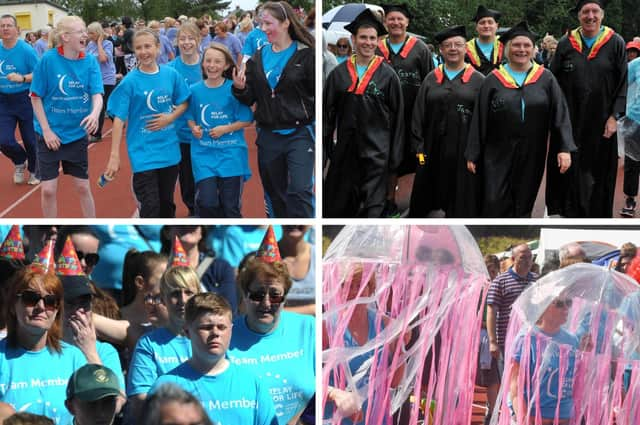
(219, 153)
(148, 94)
(188, 65)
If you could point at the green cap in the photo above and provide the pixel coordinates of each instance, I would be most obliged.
(92, 382)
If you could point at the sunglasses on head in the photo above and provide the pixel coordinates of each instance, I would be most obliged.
(91, 259)
(562, 303)
(259, 296)
(32, 298)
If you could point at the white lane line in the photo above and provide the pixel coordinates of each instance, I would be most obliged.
(31, 191)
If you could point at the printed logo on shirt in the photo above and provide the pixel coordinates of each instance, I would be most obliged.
(170, 359)
(159, 103)
(6, 68)
(242, 403)
(69, 89)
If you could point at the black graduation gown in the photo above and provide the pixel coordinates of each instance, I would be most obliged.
(412, 63)
(480, 62)
(369, 119)
(509, 151)
(594, 82)
(440, 126)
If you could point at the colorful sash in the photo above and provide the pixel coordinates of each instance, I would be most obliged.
(575, 38)
(474, 55)
(466, 75)
(404, 52)
(358, 87)
(509, 82)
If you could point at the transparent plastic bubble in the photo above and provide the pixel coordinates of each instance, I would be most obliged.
(572, 350)
(401, 311)
(629, 138)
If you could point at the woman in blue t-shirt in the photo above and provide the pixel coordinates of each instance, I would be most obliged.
(154, 97)
(219, 153)
(280, 80)
(35, 363)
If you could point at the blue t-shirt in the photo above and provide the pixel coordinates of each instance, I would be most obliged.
(395, 47)
(36, 381)
(360, 70)
(235, 396)
(273, 63)
(111, 359)
(549, 367)
(304, 290)
(156, 353)
(284, 359)
(255, 40)
(141, 96)
(232, 43)
(633, 92)
(341, 59)
(590, 40)
(452, 74)
(204, 43)
(227, 156)
(519, 76)
(65, 87)
(486, 49)
(41, 47)
(192, 74)
(108, 68)
(234, 242)
(22, 59)
(166, 48)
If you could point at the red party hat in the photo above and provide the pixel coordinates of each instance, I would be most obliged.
(68, 263)
(12, 246)
(269, 251)
(45, 258)
(178, 255)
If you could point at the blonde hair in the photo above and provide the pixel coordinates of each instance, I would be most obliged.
(179, 277)
(189, 28)
(246, 25)
(64, 27)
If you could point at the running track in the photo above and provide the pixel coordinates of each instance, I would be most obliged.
(116, 199)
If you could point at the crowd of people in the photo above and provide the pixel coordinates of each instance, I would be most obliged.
(187, 335)
(556, 346)
(473, 123)
(185, 89)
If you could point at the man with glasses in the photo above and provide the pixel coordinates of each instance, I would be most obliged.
(17, 62)
(411, 59)
(504, 290)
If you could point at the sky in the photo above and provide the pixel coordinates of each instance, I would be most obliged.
(244, 4)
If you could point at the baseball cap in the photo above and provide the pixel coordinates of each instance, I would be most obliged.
(93, 382)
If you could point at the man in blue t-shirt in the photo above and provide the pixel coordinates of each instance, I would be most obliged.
(229, 393)
(17, 62)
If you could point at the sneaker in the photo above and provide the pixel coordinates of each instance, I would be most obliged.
(629, 209)
(18, 174)
(33, 180)
(390, 210)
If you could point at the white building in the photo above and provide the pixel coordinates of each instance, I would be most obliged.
(33, 15)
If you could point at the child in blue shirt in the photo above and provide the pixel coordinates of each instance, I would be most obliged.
(188, 65)
(148, 95)
(66, 94)
(219, 153)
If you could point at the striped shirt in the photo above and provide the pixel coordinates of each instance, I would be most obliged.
(504, 290)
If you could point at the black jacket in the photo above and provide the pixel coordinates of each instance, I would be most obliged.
(292, 103)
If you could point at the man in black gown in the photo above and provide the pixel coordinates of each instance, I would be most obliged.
(485, 52)
(441, 118)
(363, 102)
(411, 59)
(591, 69)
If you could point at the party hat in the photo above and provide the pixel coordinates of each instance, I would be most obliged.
(269, 251)
(178, 254)
(68, 263)
(12, 246)
(45, 257)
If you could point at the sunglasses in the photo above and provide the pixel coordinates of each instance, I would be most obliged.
(562, 303)
(91, 259)
(153, 299)
(342, 46)
(259, 296)
(32, 298)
